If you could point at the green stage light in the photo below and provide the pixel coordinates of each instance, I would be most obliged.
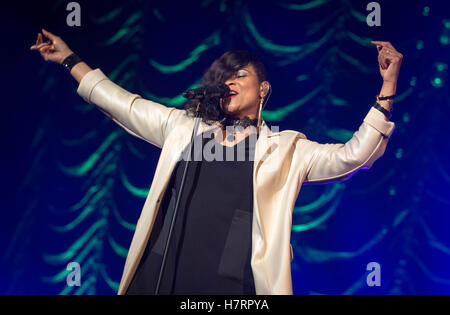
(436, 82)
(444, 39)
(419, 45)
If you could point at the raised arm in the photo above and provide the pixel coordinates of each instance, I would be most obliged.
(339, 161)
(56, 50)
(142, 118)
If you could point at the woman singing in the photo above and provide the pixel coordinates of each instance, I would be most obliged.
(232, 230)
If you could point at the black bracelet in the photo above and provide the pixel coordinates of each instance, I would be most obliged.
(383, 98)
(71, 61)
(386, 113)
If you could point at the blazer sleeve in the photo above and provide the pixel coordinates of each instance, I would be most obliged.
(340, 161)
(142, 118)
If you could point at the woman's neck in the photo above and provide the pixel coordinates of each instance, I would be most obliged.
(230, 135)
(244, 122)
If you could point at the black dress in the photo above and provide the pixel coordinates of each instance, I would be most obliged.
(210, 248)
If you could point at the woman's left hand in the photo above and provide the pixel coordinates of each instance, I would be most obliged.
(389, 60)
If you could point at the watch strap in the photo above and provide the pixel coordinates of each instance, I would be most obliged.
(70, 61)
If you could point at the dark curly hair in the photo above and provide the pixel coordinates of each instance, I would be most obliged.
(220, 71)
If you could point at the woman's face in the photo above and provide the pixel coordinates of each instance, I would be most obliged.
(246, 103)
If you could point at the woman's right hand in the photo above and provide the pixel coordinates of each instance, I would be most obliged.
(55, 49)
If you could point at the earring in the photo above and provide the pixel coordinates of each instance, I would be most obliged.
(259, 113)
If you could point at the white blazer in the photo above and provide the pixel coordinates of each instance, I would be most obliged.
(283, 162)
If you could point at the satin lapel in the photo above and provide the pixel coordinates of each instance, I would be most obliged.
(167, 167)
(262, 150)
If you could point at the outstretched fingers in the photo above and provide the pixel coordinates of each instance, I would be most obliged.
(386, 53)
(380, 45)
(38, 41)
(40, 46)
(49, 35)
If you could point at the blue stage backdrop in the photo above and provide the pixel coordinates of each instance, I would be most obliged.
(74, 182)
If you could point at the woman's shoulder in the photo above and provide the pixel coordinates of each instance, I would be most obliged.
(292, 133)
(179, 114)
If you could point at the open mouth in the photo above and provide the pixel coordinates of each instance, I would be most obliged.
(232, 94)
